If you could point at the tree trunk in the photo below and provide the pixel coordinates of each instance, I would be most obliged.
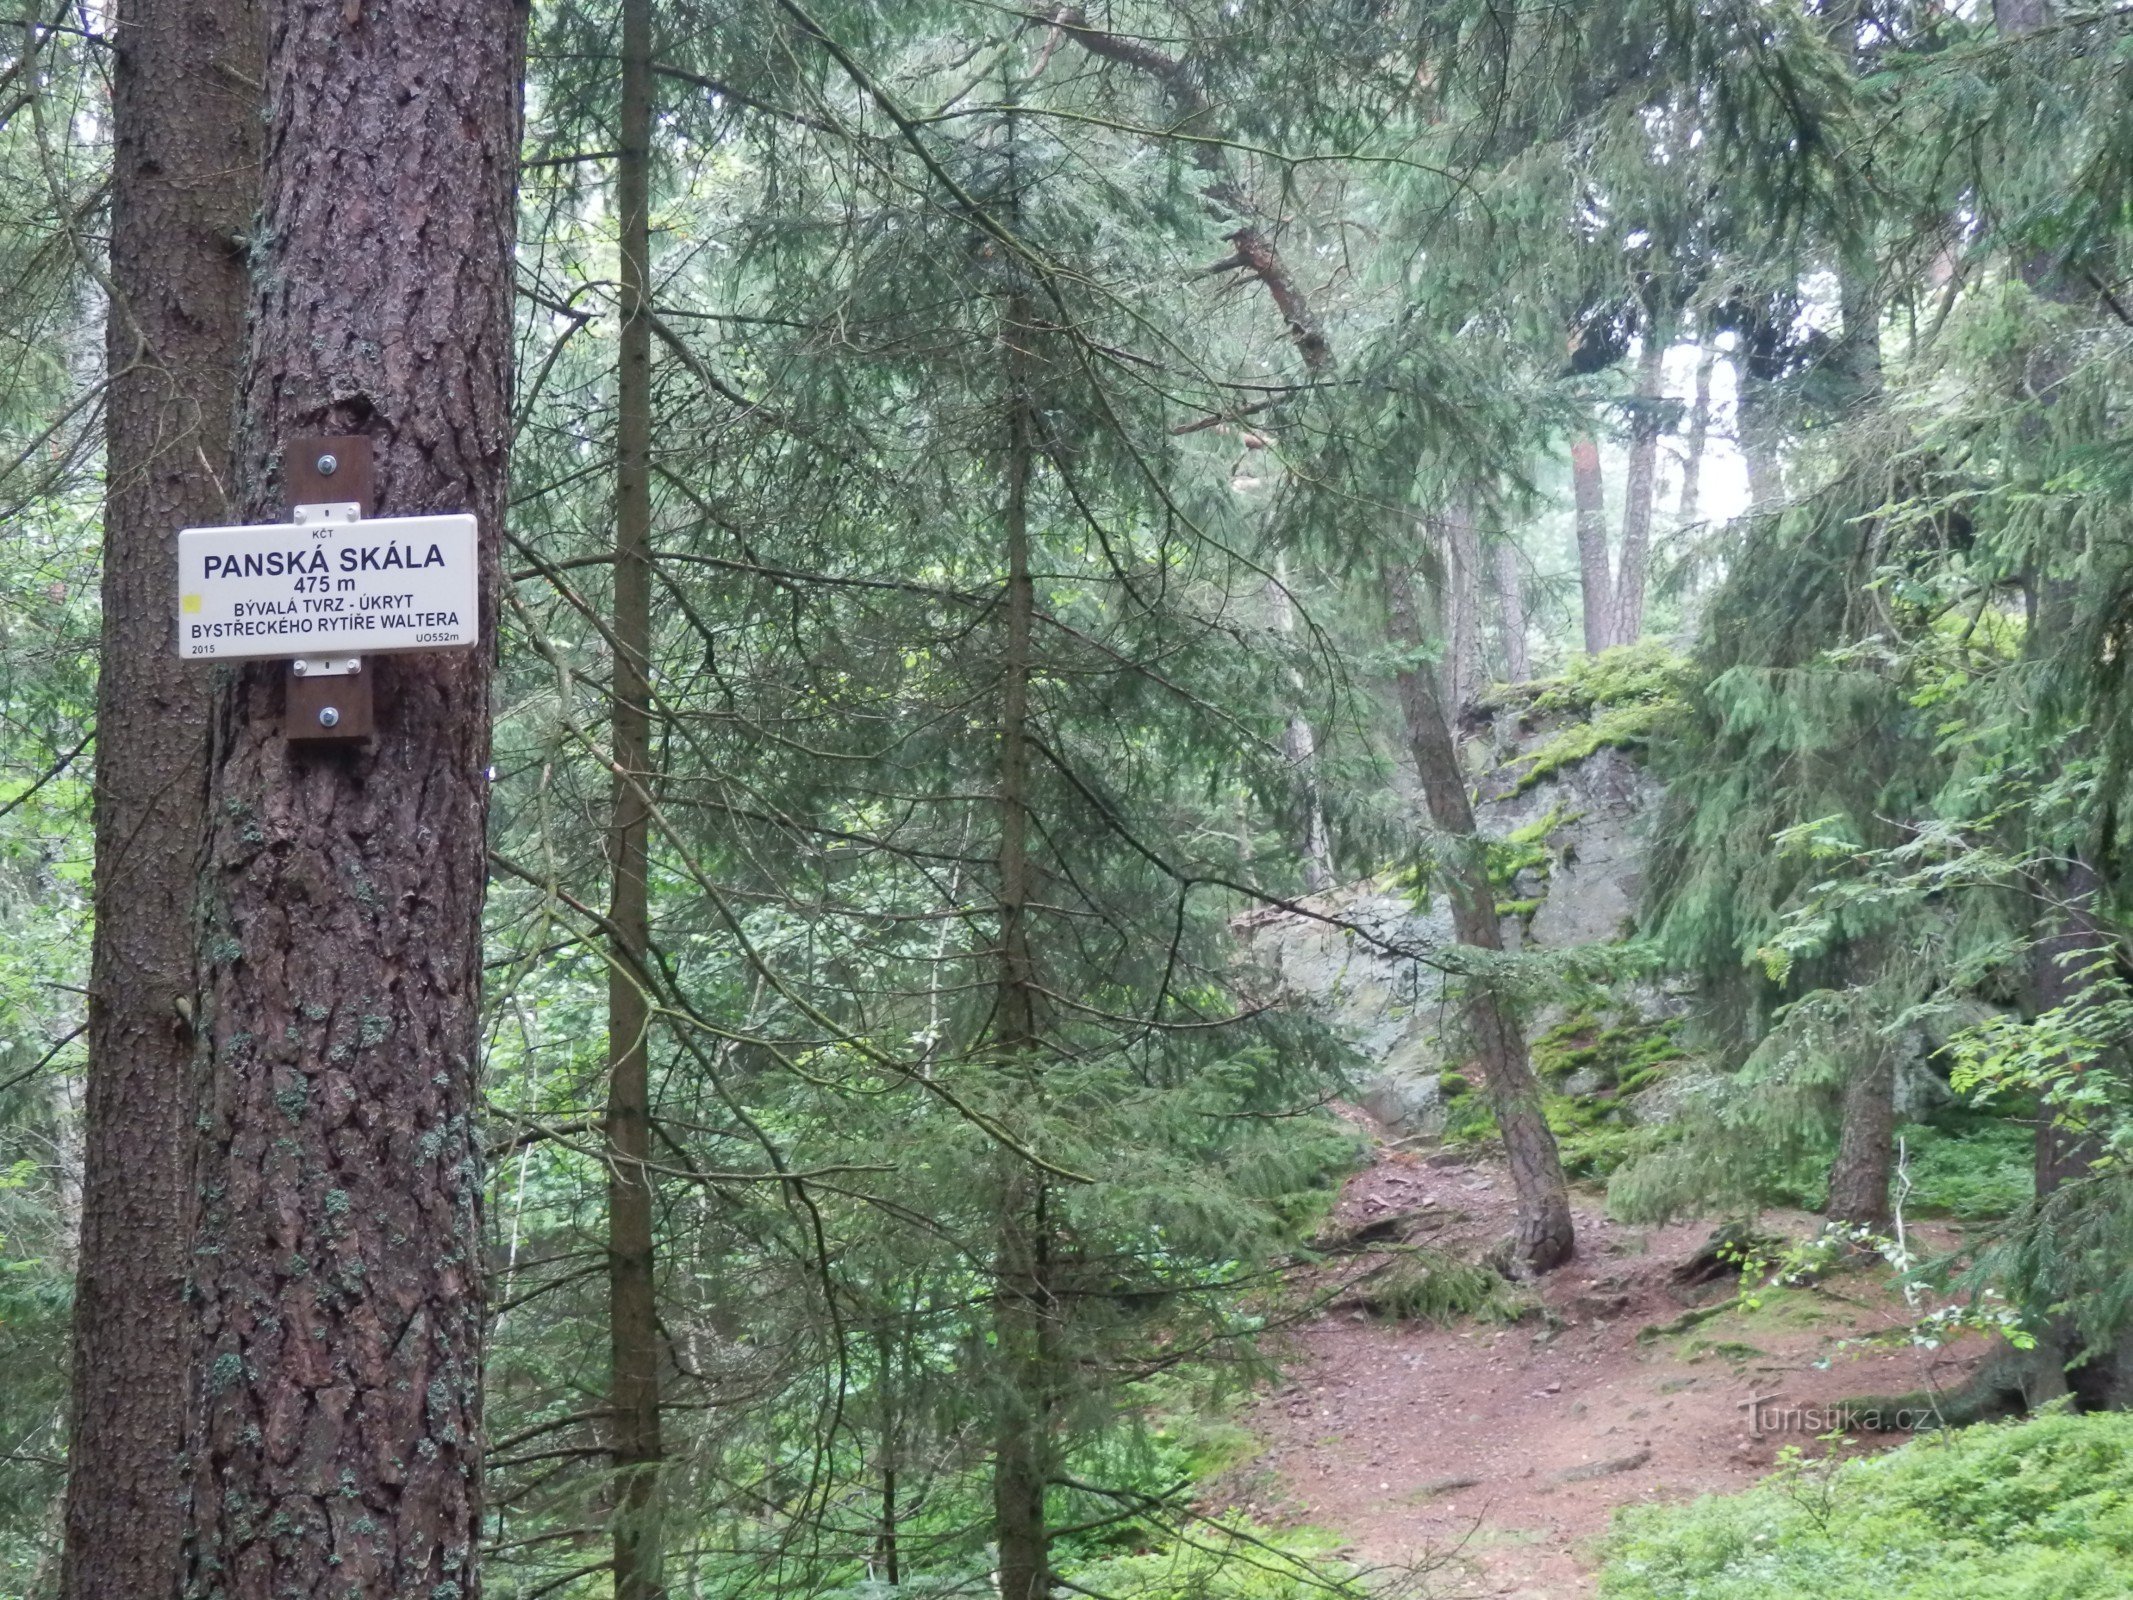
(1627, 619)
(1466, 669)
(1595, 583)
(1511, 611)
(1022, 1453)
(1858, 274)
(1866, 1146)
(1859, 300)
(184, 184)
(1299, 745)
(335, 1445)
(2068, 944)
(1699, 436)
(1022, 1442)
(1545, 1238)
(633, 1330)
(1756, 427)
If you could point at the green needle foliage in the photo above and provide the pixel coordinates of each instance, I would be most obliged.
(1039, 399)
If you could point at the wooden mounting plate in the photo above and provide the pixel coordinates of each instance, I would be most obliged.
(352, 481)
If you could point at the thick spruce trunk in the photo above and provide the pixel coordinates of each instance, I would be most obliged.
(1596, 589)
(184, 183)
(336, 1443)
(633, 1330)
(1865, 1163)
(1545, 1238)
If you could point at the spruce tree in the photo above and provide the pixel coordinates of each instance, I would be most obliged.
(337, 1278)
(185, 150)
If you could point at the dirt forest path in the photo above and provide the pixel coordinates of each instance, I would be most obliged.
(1498, 1453)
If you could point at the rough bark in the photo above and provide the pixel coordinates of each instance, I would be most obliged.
(1866, 1146)
(633, 1330)
(1626, 616)
(1595, 582)
(184, 182)
(1510, 586)
(1545, 1237)
(1699, 436)
(335, 1446)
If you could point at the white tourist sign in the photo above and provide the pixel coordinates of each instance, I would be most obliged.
(342, 584)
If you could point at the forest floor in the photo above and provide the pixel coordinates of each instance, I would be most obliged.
(1489, 1458)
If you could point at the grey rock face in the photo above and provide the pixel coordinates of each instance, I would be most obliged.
(1395, 1008)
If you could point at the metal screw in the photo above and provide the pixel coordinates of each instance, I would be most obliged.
(328, 465)
(302, 667)
(328, 717)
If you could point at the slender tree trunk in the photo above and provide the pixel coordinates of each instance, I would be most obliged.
(1858, 273)
(184, 183)
(1466, 669)
(1859, 1177)
(1299, 745)
(1022, 1305)
(1510, 586)
(1756, 427)
(633, 1331)
(335, 1446)
(1545, 1237)
(1022, 1453)
(2068, 943)
(1595, 582)
(1627, 624)
(1699, 436)
(885, 1543)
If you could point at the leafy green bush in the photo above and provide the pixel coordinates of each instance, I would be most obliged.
(2036, 1510)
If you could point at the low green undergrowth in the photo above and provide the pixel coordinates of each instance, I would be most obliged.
(1974, 1170)
(2036, 1510)
(1227, 1558)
